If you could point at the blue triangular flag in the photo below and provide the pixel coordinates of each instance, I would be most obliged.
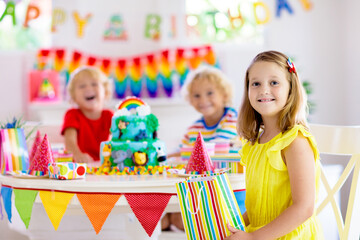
(6, 193)
(1, 214)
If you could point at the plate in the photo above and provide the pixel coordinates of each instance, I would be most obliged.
(180, 174)
(27, 176)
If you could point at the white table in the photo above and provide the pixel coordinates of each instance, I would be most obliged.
(121, 223)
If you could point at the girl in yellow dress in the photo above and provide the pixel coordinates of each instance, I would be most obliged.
(280, 155)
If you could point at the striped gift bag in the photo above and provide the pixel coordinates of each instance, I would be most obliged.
(207, 204)
(13, 150)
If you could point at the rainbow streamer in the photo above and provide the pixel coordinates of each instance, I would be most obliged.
(105, 66)
(75, 61)
(121, 78)
(165, 73)
(150, 76)
(14, 154)
(181, 66)
(210, 58)
(59, 61)
(135, 77)
(195, 60)
(42, 58)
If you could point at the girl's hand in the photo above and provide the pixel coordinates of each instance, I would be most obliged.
(237, 234)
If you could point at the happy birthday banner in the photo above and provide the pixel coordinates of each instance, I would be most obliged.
(155, 23)
(154, 74)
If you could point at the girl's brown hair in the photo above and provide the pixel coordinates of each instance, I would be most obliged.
(294, 112)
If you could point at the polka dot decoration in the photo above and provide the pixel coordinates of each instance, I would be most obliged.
(67, 170)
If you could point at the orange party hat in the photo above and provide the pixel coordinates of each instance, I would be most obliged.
(200, 161)
(42, 158)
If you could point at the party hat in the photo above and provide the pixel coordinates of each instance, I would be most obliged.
(200, 161)
(35, 145)
(42, 158)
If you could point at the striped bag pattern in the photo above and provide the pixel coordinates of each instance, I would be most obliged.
(13, 150)
(207, 204)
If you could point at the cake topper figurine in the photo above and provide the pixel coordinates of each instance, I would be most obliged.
(200, 161)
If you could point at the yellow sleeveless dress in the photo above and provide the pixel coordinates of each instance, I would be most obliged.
(268, 191)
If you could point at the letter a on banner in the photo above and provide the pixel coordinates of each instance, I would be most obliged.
(9, 10)
(283, 4)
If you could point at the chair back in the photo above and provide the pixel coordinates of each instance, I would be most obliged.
(337, 139)
(340, 141)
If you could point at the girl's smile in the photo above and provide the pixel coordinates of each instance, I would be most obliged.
(268, 88)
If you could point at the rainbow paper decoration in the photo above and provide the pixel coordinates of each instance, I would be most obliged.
(151, 76)
(135, 76)
(59, 61)
(181, 66)
(156, 74)
(121, 78)
(131, 102)
(165, 73)
(14, 153)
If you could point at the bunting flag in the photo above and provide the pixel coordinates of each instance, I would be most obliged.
(55, 204)
(121, 78)
(136, 77)
(97, 207)
(165, 73)
(151, 76)
(24, 201)
(148, 208)
(1, 211)
(6, 193)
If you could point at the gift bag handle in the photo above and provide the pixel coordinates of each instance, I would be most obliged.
(187, 201)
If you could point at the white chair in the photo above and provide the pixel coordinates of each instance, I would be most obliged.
(340, 141)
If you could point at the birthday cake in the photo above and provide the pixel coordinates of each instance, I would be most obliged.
(134, 139)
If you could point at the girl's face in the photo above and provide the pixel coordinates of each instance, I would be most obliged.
(206, 98)
(268, 88)
(89, 93)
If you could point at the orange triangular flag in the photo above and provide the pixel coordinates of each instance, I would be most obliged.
(148, 208)
(199, 161)
(55, 204)
(97, 207)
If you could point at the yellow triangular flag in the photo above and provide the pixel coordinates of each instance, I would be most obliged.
(55, 204)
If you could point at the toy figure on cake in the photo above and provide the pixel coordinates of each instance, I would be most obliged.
(134, 139)
(200, 161)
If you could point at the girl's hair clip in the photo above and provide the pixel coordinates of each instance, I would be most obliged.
(291, 66)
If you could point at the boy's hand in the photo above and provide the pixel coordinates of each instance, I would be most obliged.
(83, 158)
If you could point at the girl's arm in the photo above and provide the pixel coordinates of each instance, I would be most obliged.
(300, 161)
(71, 145)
